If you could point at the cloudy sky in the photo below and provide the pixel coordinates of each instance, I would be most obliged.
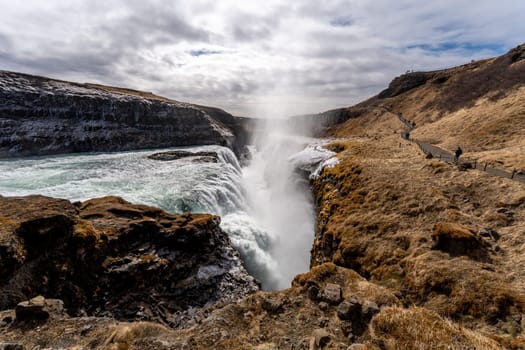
(253, 58)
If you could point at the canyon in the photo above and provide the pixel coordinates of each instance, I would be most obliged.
(409, 251)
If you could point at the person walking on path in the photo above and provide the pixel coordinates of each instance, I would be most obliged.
(457, 154)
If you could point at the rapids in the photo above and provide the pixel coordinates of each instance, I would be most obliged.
(265, 206)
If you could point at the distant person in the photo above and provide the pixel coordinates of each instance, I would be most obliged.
(457, 154)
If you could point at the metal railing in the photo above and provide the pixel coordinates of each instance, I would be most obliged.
(432, 151)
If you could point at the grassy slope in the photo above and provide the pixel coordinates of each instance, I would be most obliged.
(480, 106)
(381, 208)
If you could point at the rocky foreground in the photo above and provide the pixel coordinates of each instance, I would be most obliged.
(106, 257)
(45, 116)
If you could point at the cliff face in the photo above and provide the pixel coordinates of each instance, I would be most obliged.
(44, 116)
(107, 257)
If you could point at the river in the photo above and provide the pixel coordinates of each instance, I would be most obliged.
(265, 206)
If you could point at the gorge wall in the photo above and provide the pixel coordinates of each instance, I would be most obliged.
(45, 116)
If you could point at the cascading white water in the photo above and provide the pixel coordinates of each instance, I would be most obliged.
(185, 184)
(280, 200)
(265, 207)
(176, 186)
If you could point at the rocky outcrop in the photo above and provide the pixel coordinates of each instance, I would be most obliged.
(404, 83)
(202, 156)
(517, 53)
(286, 319)
(459, 240)
(107, 257)
(39, 308)
(316, 124)
(44, 116)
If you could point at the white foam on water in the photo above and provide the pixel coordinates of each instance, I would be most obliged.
(266, 207)
(175, 186)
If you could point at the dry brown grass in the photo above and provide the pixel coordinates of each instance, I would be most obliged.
(125, 335)
(490, 132)
(377, 212)
(419, 328)
(490, 125)
(480, 106)
(352, 284)
(453, 230)
(86, 233)
(462, 289)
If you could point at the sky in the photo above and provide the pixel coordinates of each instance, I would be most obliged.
(253, 58)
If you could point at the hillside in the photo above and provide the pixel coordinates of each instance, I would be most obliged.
(479, 106)
(447, 240)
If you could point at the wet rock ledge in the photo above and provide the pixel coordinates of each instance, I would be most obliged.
(107, 257)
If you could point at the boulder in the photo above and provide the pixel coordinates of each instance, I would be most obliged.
(324, 306)
(321, 336)
(369, 310)
(457, 239)
(349, 309)
(332, 293)
(313, 292)
(489, 233)
(34, 309)
(202, 156)
(272, 305)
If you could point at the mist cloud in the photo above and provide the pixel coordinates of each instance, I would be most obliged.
(242, 55)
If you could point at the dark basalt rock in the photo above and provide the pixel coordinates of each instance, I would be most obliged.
(107, 257)
(39, 308)
(405, 83)
(202, 156)
(45, 116)
(457, 240)
(517, 53)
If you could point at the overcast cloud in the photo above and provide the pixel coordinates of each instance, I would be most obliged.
(253, 58)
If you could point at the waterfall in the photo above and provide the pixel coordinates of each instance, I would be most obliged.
(280, 201)
(265, 207)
